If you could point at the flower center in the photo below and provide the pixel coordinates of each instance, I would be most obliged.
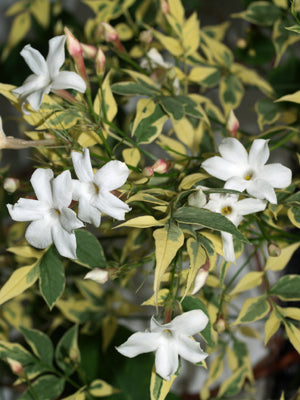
(226, 210)
(248, 176)
(96, 188)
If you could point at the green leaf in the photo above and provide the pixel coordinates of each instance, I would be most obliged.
(67, 353)
(232, 385)
(52, 277)
(268, 112)
(208, 219)
(172, 106)
(293, 28)
(231, 92)
(47, 387)
(89, 251)
(261, 13)
(253, 309)
(40, 343)
(133, 89)
(287, 288)
(192, 303)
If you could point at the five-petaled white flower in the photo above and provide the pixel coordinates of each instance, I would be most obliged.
(93, 191)
(52, 220)
(243, 171)
(46, 75)
(234, 210)
(168, 341)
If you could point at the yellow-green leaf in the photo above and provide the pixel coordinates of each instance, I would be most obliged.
(253, 309)
(145, 221)
(294, 97)
(271, 326)
(176, 10)
(293, 334)
(232, 385)
(26, 251)
(197, 257)
(159, 388)
(131, 156)
(161, 298)
(105, 104)
(278, 263)
(16, 8)
(191, 35)
(249, 281)
(169, 43)
(231, 92)
(100, 388)
(19, 29)
(190, 180)
(41, 10)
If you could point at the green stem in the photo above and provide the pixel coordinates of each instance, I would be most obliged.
(284, 140)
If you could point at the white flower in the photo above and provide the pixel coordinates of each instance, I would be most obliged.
(52, 220)
(154, 58)
(243, 171)
(233, 209)
(97, 275)
(93, 191)
(168, 341)
(46, 75)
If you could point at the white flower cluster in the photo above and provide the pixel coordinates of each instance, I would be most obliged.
(52, 219)
(242, 171)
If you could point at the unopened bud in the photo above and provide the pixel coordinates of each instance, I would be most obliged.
(88, 51)
(220, 325)
(241, 43)
(161, 166)
(110, 33)
(165, 7)
(146, 36)
(11, 184)
(274, 250)
(232, 124)
(100, 61)
(200, 279)
(76, 52)
(97, 275)
(197, 199)
(148, 171)
(15, 366)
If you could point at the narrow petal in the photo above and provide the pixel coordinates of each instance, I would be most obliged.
(27, 210)
(259, 153)
(232, 150)
(189, 323)
(277, 175)
(40, 181)
(38, 233)
(190, 350)
(34, 60)
(68, 80)
(112, 175)
(29, 85)
(166, 359)
(88, 213)
(261, 189)
(220, 168)
(62, 190)
(139, 343)
(77, 188)
(64, 241)
(56, 55)
(82, 165)
(69, 220)
(111, 205)
(228, 249)
(35, 99)
(250, 206)
(236, 183)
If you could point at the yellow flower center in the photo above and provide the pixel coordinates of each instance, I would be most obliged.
(226, 210)
(96, 188)
(248, 176)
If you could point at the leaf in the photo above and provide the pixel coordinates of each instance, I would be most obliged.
(16, 8)
(287, 288)
(208, 219)
(260, 13)
(271, 326)
(67, 353)
(52, 277)
(41, 10)
(40, 343)
(280, 262)
(192, 303)
(159, 387)
(247, 282)
(189, 180)
(172, 146)
(253, 309)
(19, 281)
(144, 221)
(131, 156)
(251, 77)
(197, 257)
(168, 241)
(161, 298)
(268, 112)
(26, 251)
(294, 97)
(169, 43)
(233, 385)
(19, 29)
(60, 120)
(206, 76)
(89, 251)
(231, 92)
(282, 38)
(46, 387)
(219, 52)
(100, 388)
(105, 99)
(148, 122)
(293, 334)
(191, 34)
(133, 89)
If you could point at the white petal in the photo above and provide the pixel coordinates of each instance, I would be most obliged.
(56, 54)
(228, 249)
(112, 175)
(40, 181)
(236, 183)
(259, 153)
(88, 213)
(62, 190)
(277, 175)
(190, 350)
(77, 188)
(97, 275)
(189, 323)
(155, 326)
(139, 343)
(27, 210)
(35, 99)
(68, 80)
(261, 189)
(64, 241)
(232, 150)
(30, 85)
(166, 359)
(111, 205)
(38, 234)
(34, 60)
(220, 168)
(250, 206)
(82, 165)
(69, 220)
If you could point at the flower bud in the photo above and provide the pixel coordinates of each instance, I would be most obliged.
(97, 275)
(76, 52)
(165, 7)
(100, 61)
(220, 325)
(15, 366)
(274, 250)
(200, 279)
(88, 51)
(146, 36)
(148, 172)
(11, 184)
(161, 166)
(232, 124)
(197, 199)
(110, 35)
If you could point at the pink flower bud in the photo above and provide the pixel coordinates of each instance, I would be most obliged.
(89, 51)
(15, 366)
(165, 7)
(232, 124)
(161, 166)
(11, 184)
(111, 35)
(148, 171)
(100, 61)
(76, 52)
(274, 250)
(97, 275)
